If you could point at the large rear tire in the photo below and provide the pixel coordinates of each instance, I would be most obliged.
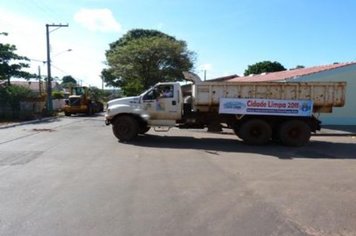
(294, 133)
(125, 128)
(255, 132)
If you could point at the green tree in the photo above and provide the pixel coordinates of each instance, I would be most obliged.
(57, 94)
(264, 66)
(95, 94)
(68, 81)
(298, 67)
(11, 64)
(142, 58)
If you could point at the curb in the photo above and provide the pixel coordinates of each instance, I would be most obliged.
(27, 122)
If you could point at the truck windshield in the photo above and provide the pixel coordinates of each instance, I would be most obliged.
(78, 91)
(149, 94)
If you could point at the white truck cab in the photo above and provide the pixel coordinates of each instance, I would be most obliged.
(160, 105)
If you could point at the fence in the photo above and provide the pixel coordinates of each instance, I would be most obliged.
(30, 109)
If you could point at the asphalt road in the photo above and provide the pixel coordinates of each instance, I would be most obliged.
(70, 176)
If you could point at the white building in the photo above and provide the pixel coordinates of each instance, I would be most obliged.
(336, 72)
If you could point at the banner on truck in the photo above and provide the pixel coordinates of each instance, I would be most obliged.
(266, 107)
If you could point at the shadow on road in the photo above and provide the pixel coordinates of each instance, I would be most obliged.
(81, 115)
(315, 149)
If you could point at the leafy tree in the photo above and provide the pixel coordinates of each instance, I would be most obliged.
(68, 81)
(96, 94)
(57, 94)
(138, 34)
(142, 58)
(298, 67)
(264, 66)
(11, 64)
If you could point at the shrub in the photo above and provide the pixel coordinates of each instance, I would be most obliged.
(57, 95)
(14, 94)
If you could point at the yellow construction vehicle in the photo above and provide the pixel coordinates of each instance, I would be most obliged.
(81, 100)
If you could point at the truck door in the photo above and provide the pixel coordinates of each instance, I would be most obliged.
(162, 103)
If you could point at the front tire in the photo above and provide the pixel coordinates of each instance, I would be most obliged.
(144, 129)
(125, 128)
(90, 110)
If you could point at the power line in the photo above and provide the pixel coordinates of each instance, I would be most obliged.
(47, 12)
(59, 69)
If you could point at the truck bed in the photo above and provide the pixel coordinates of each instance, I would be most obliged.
(325, 95)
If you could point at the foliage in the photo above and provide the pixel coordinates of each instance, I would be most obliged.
(57, 94)
(68, 81)
(14, 94)
(264, 66)
(138, 34)
(96, 94)
(11, 64)
(142, 58)
(298, 67)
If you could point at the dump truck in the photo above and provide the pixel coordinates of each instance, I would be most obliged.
(81, 100)
(257, 112)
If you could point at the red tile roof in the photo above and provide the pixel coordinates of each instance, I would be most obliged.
(34, 85)
(224, 78)
(289, 74)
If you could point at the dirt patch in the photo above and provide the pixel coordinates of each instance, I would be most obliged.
(43, 130)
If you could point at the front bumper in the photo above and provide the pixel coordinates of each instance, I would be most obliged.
(107, 119)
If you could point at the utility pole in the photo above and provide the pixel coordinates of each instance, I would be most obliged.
(49, 79)
(39, 80)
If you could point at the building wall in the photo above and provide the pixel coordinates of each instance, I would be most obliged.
(344, 115)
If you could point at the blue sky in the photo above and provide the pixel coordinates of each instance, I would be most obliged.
(226, 35)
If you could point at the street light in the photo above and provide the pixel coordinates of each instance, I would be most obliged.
(59, 53)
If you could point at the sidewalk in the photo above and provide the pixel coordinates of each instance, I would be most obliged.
(5, 125)
(337, 130)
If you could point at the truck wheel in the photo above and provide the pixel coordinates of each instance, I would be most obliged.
(294, 133)
(255, 132)
(90, 110)
(275, 135)
(236, 131)
(67, 113)
(125, 128)
(144, 129)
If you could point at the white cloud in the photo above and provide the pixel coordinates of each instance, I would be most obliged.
(28, 35)
(97, 20)
(84, 62)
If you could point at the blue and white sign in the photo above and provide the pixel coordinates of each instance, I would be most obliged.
(266, 107)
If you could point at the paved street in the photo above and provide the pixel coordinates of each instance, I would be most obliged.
(70, 176)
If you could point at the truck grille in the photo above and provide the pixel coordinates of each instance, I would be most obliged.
(74, 101)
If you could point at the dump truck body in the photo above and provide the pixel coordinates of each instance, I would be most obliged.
(325, 95)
